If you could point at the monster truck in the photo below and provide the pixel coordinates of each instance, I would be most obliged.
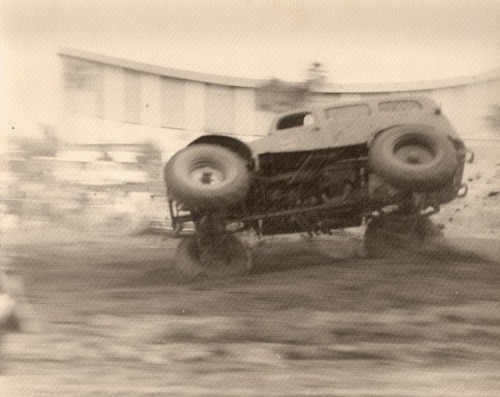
(387, 162)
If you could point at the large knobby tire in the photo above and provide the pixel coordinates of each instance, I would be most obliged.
(396, 235)
(207, 177)
(413, 158)
(229, 259)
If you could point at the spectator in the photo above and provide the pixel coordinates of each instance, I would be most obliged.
(11, 287)
(16, 315)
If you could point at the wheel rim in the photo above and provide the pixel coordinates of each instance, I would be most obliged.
(415, 153)
(206, 175)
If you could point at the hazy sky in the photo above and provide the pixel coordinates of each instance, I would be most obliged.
(356, 41)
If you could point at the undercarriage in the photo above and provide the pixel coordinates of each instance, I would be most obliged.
(313, 200)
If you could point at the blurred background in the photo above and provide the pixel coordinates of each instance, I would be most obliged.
(96, 96)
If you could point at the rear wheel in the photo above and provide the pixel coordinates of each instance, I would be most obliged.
(397, 234)
(414, 158)
(207, 176)
(196, 260)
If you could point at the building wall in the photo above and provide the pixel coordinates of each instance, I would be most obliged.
(118, 105)
(106, 103)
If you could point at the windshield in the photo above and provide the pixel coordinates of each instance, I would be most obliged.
(295, 120)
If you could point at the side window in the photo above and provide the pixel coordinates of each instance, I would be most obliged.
(351, 112)
(132, 111)
(295, 120)
(83, 85)
(173, 103)
(220, 108)
(399, 106)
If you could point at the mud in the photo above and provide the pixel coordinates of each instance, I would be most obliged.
(314, 318)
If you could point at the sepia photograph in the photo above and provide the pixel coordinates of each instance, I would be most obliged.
(250, 198)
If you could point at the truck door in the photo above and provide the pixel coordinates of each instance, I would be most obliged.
(340, 119)
(297, 131)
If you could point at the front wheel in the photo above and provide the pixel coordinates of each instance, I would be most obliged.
(395, 234)
(207, 177)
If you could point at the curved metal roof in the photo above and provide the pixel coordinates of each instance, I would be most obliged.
(254, 83)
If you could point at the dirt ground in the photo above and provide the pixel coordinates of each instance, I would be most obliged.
(314, 318)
